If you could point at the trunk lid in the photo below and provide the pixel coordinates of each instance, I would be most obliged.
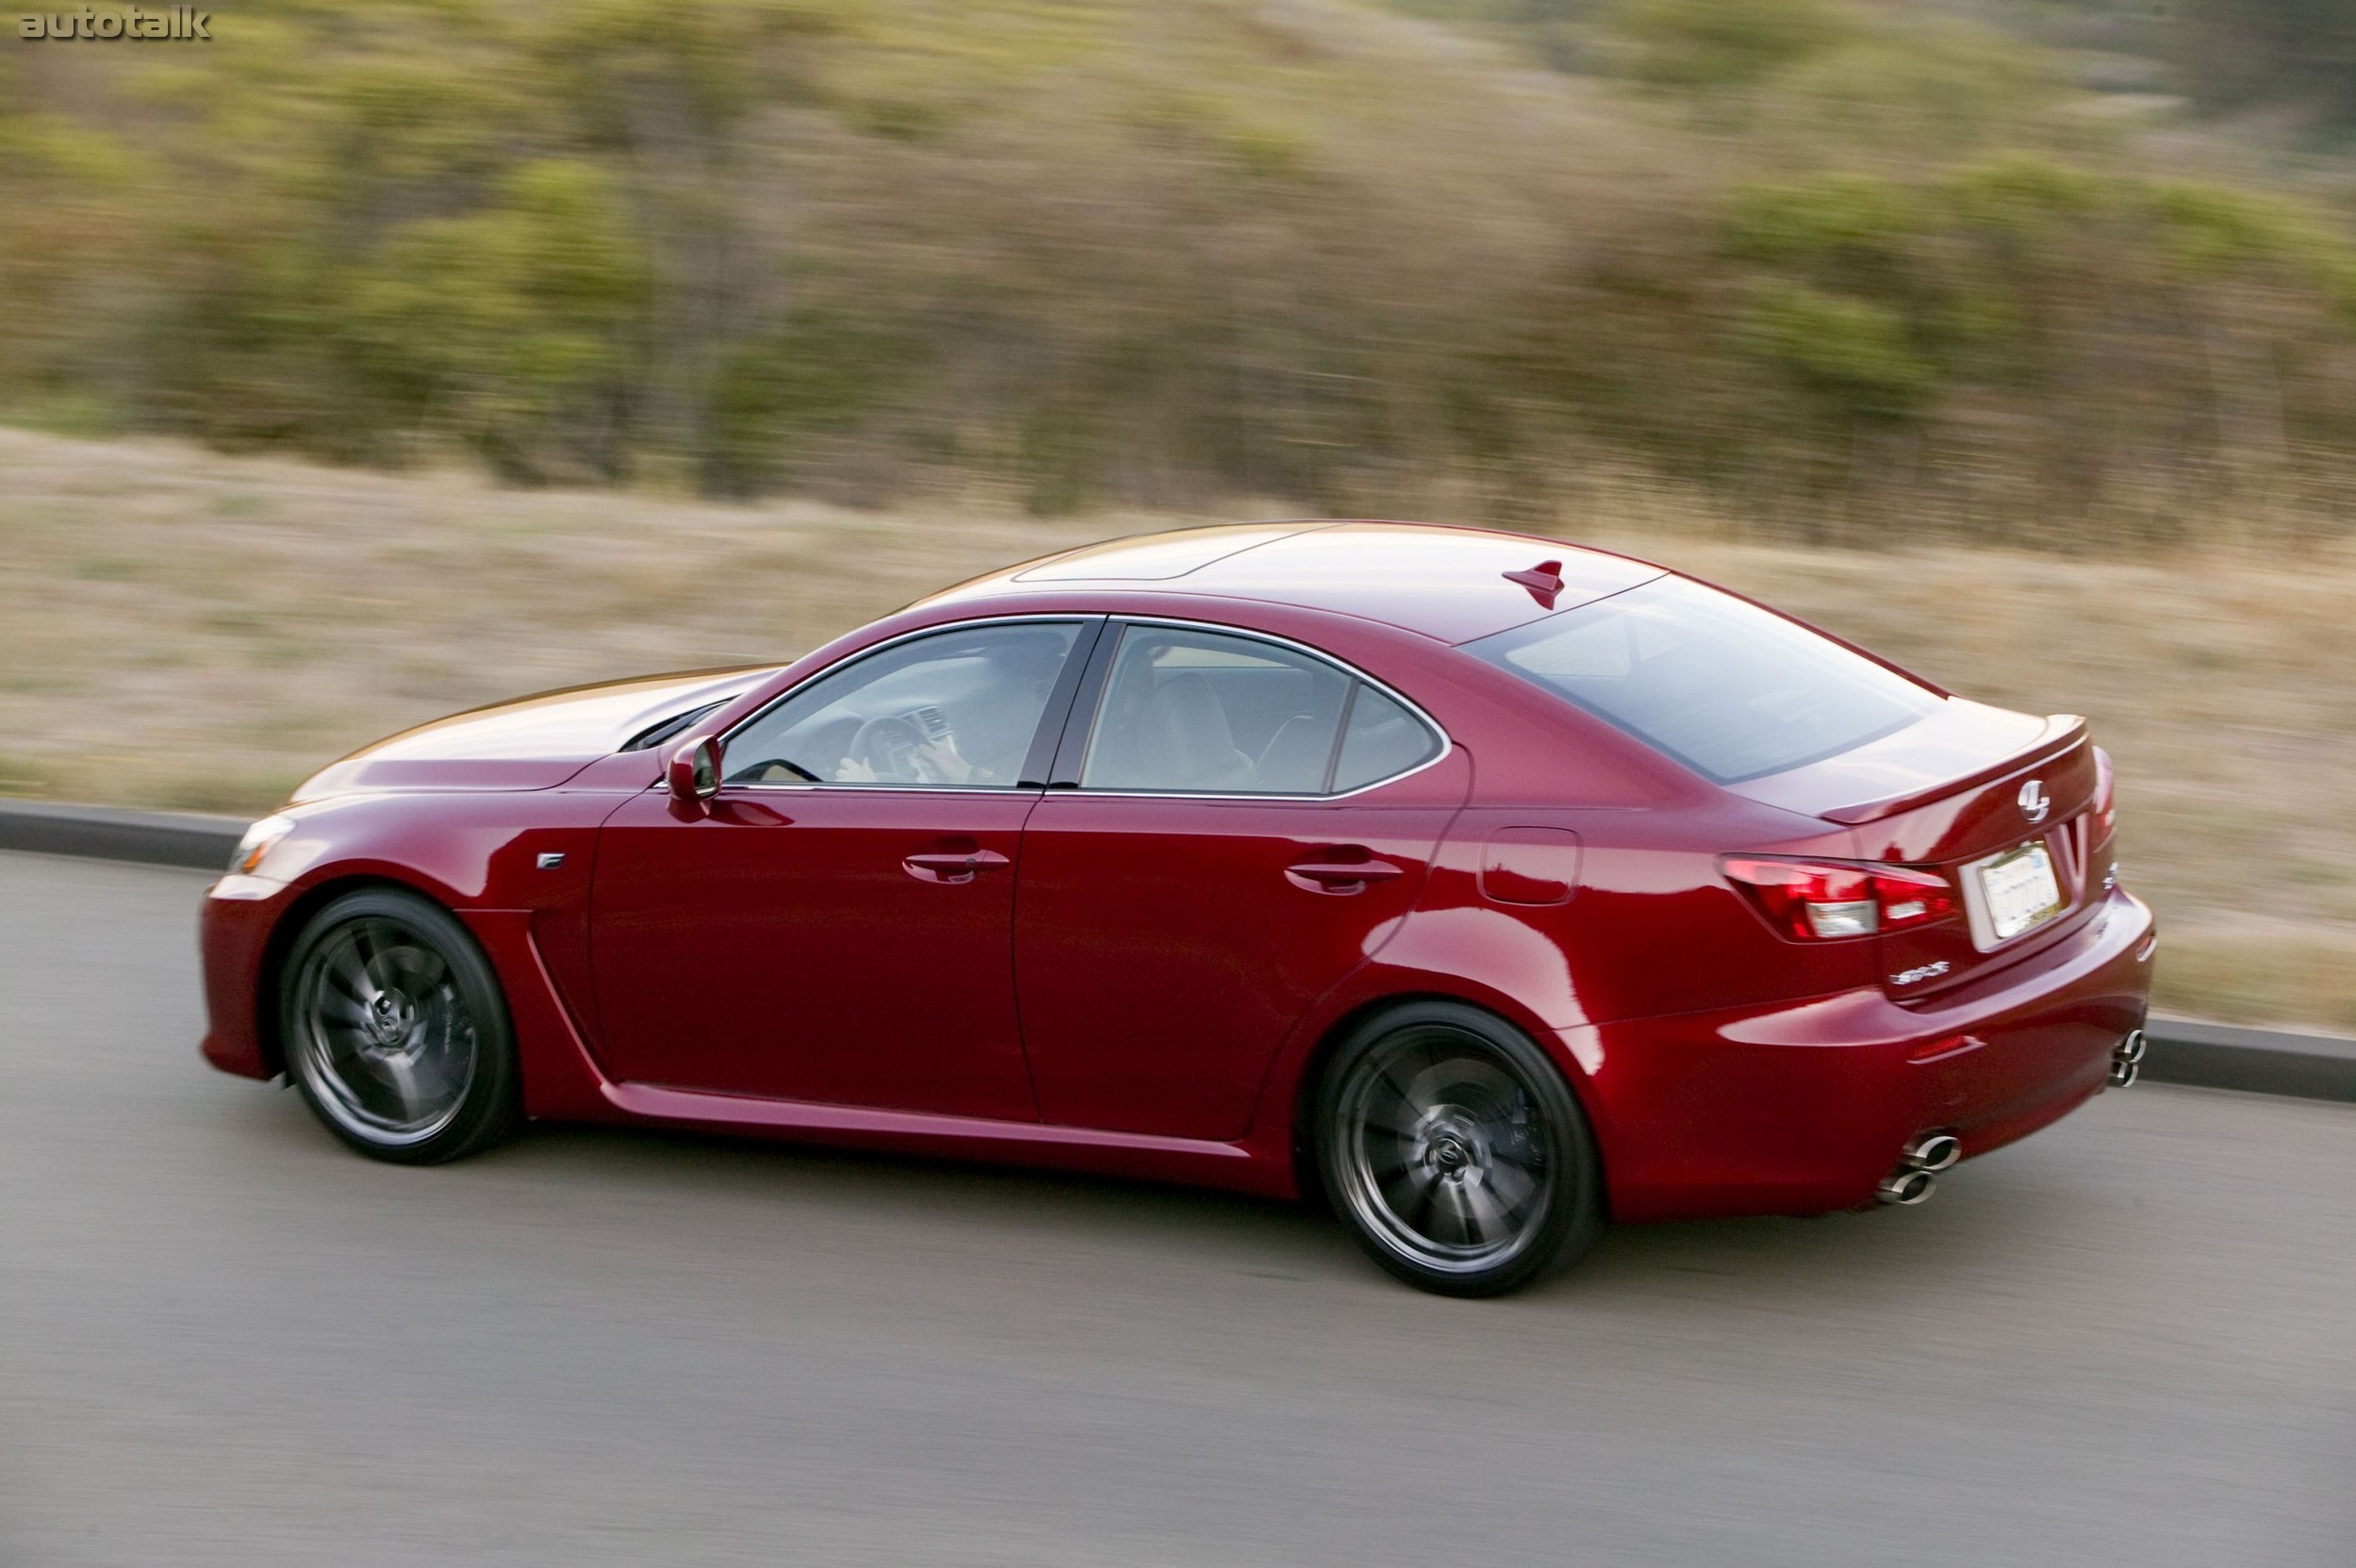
(1992, 800)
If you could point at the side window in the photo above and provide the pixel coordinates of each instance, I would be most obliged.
(1380, 740)
(1186, 711)
(957, 709)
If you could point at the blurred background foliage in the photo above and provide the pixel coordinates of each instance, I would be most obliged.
(2061, 272)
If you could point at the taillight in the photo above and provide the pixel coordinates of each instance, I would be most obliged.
(2105, 797)
(1827, 901)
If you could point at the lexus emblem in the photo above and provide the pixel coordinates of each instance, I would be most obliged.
(2035, 803)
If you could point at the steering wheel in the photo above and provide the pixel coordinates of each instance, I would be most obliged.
(882, 746)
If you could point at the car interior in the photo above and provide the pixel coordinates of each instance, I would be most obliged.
(1197, 711)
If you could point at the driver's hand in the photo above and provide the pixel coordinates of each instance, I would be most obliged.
(851, 771)
(938, 761)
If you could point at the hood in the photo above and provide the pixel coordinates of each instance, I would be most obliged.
(531, 743)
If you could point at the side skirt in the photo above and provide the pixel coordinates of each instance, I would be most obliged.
(1193, 1162)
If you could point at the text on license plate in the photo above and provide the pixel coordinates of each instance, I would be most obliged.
(2020, 891)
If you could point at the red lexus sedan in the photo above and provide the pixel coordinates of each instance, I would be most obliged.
(1493, 888)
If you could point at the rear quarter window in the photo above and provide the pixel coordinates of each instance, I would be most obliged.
(1729, 689)
(1381, 740)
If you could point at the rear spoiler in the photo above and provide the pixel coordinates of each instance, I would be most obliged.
(2064, 733)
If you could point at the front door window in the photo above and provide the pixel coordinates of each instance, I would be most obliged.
(958, 709)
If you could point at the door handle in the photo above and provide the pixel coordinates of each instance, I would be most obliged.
(1340, 875)
(951, 865)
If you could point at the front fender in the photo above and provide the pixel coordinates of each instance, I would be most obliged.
(515, 866)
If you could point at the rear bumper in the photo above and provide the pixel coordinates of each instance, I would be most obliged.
(1801, 1106)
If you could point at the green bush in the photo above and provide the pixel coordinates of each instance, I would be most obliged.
(513, 327)
(1723, 43)
(1860, 356)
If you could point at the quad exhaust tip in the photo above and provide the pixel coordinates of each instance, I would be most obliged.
(2127, 1058)
(1933, 1151)
(1905, 1188)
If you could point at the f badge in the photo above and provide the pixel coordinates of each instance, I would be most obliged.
(2035, 803)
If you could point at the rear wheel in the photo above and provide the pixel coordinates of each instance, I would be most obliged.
(1455, 1150)
(396, 1032)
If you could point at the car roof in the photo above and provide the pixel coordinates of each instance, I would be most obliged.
(1440, 580)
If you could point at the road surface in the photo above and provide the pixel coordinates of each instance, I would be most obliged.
(2131, 1340)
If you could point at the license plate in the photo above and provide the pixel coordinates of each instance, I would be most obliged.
(2019, 889)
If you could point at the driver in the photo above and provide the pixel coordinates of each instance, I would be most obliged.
(997, 722)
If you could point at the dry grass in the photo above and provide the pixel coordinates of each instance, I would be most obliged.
(182, 629)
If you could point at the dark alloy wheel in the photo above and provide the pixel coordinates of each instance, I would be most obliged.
(395, 1029)
(1456, 1151)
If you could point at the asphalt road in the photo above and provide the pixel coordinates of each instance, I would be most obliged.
(222, 1340)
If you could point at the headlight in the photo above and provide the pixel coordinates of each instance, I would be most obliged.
(259, 841)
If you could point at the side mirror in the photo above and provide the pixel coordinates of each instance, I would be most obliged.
(694, 773)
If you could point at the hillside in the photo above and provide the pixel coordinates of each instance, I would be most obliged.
(1859, 271)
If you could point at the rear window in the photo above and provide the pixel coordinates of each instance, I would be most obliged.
(1729, 689)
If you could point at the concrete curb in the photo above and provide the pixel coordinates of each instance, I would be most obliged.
(106, 832)
(2262, 1061)
(2217, 1056)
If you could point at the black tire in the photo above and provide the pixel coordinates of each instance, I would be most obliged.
(1456, 1152)
(396, 1032)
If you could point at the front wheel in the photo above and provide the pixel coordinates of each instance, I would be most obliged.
(396, 1032)
(1456, 1151)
